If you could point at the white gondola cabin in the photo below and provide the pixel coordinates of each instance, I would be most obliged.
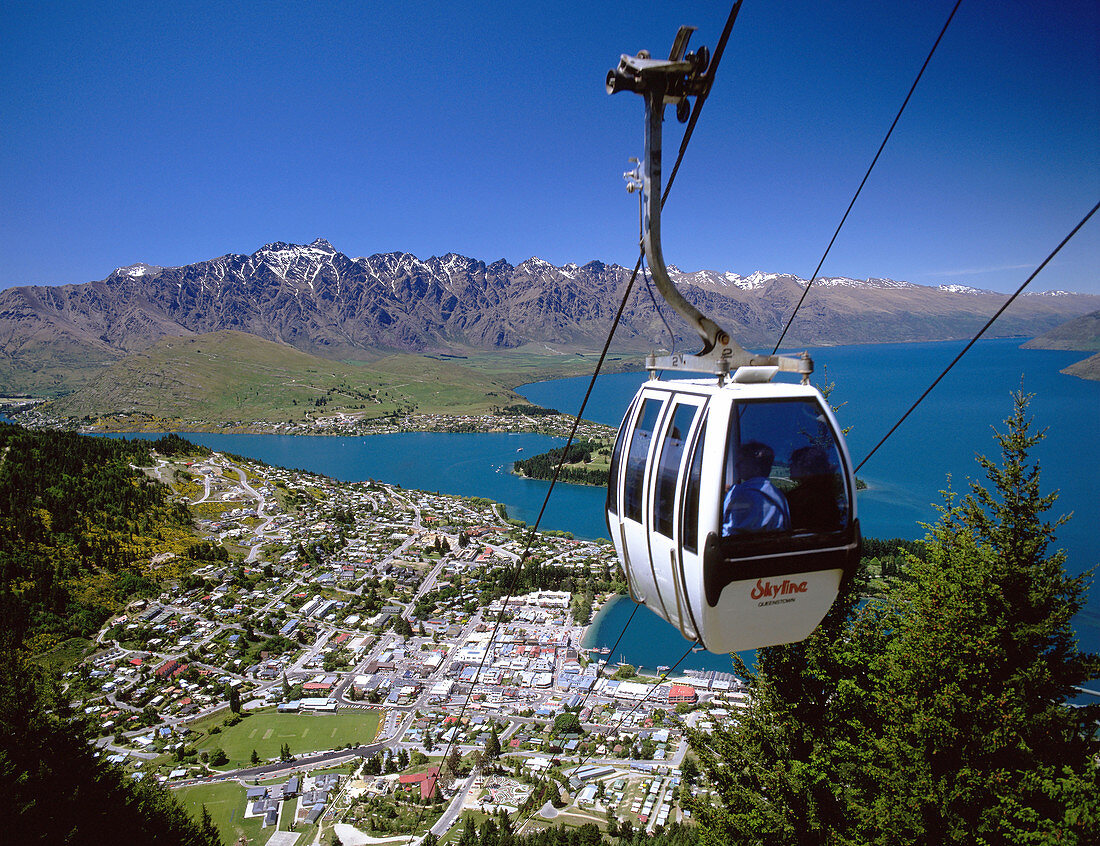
(731, 501)
(732, 509)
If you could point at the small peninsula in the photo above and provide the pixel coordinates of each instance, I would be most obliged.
(587, 462)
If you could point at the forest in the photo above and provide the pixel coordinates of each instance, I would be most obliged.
(77, 526)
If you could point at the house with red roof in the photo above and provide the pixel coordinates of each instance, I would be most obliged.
(427, 781)
(682, 693)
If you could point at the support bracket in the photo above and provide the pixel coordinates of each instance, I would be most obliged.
(672, 82)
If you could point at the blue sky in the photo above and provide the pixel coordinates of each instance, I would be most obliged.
(172, 133)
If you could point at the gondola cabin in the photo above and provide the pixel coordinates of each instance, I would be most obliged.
(733, 508)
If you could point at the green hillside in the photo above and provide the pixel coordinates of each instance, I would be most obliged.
(232, 376)
(1089, 368)
(1081, 333)
(78, 529)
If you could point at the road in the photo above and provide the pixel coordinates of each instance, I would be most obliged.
(455, 808)
(304, 763)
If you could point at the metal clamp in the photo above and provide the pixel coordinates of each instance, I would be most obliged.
(663, 83)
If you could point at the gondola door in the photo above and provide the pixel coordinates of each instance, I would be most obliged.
(666, 489)
(626, 498)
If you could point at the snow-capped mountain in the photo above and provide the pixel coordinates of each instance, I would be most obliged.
(321, 301)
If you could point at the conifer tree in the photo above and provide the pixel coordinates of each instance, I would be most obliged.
(981, 743)
(492, 745)
(209, 835)
(453, 765)
(936, 714)
(469, 833)
(488, 835)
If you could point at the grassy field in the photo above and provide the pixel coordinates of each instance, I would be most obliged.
(226, 804)
(519, 367)
(65, 655)
(232, 376)
(267, 731)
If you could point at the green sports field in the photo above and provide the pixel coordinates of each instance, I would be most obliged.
(267, 731)
(225, 802)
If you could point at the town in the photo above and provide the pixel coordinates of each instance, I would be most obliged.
(33, 414)
(381, 662)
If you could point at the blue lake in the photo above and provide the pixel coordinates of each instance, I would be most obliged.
(874, 386)
(648, 642)
(936, 446)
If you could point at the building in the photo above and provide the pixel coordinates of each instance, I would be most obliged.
(425, 780)
(678, 693)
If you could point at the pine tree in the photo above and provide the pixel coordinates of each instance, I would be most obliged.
(454, 762)
(469, 833)
(504, 825)
(612, 823)
(208, 831)
(492, 745)
(488, 835)
(982, 744)
(934, 715)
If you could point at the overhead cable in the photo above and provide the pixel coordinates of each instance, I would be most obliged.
(981, 332)
(882, 146)
(711, 71)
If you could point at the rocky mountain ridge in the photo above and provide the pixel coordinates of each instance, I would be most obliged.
(324, 302)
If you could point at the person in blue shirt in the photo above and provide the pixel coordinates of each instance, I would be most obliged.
(754, 504)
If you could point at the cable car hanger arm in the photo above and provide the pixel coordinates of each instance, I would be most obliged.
(661, 83)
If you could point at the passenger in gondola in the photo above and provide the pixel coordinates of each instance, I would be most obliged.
(754, 504)
(813, 501)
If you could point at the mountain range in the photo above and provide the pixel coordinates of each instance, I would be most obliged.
(323, 302)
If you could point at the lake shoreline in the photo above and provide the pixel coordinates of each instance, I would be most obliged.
(666, 650)
(905, 480)
(559, 482)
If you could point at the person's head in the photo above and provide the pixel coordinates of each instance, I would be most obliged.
(754, 459)
(809, 461)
